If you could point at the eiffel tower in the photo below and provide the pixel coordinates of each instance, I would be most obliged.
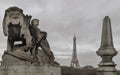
(74, 61)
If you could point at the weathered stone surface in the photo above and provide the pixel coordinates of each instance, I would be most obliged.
(30, 70)
(24, 58)
(1, 70)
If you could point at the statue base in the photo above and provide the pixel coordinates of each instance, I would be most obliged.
(107, 70)
(30, 70)
(21, 63)
(21, 58)
(106, 73)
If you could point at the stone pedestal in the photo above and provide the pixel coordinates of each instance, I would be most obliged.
(21, 58)
(12, 64)
(106, 73)
(31, 70)
(1, 70)
(106, 70)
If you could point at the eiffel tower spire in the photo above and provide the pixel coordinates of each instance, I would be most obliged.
(74, 61)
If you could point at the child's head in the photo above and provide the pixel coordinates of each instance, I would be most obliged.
(35, 22)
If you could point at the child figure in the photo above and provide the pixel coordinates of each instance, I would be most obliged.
(39, 39)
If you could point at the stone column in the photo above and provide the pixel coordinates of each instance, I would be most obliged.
(106, 50)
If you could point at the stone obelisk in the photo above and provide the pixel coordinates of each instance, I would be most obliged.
(106, 50)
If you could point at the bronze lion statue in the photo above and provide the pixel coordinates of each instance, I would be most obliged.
(16, 27)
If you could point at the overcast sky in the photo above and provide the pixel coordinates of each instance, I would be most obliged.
(62, 18)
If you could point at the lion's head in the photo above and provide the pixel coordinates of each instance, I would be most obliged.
(14, 16)
(16, 25)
